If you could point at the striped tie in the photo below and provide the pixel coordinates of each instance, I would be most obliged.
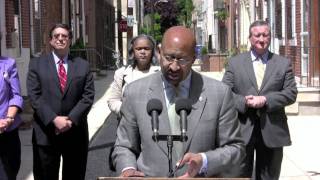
(259, 71)
(62, 75)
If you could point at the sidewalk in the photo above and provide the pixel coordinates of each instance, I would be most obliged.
(301, 160)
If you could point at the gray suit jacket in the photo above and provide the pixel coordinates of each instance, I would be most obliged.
(279, 88)
(212, 127)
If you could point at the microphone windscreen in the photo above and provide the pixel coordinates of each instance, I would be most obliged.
(183, 104)
(154, 104)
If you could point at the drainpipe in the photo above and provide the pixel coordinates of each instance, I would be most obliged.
(31, 28)
(83, 23)
(20, 29)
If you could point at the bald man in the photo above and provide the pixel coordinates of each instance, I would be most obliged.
(214, 145)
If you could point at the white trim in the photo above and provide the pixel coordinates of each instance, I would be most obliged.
(31, 26)
(272, 25)
(304, 57)
(293, 18)
(283, 19)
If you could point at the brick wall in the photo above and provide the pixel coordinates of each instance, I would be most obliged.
(297, 64)
(9, 11)
(25, 22)
(51, 14)
(213, 62)
(294, 52)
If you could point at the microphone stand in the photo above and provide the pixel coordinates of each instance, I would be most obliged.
(169, 139)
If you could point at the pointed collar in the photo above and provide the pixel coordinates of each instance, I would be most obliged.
(57, 59)
(264, 57)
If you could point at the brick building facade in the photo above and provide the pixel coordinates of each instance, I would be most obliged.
(25, 25)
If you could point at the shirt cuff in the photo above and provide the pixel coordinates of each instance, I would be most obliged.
(127, 168)
(204, 167)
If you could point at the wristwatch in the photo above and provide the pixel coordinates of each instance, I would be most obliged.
(10, 118)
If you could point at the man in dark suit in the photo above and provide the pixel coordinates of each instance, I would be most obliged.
(263, 84)
(213, 145)
(61, 91)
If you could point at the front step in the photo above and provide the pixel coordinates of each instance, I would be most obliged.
(307, 103)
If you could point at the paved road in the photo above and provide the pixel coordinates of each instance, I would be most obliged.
(99, 150)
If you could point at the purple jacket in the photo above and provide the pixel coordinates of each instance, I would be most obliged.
(9, 89)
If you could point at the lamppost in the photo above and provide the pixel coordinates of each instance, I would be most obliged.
(152, 12)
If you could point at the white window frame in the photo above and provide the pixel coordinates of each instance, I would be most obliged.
(304, 34)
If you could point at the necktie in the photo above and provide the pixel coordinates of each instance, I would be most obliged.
(175, 124)
(62, 75)
(259, 72)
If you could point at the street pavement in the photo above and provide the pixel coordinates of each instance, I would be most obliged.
(301, 160)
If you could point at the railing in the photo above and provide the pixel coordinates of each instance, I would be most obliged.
(305, 63)
(93, 56)
(116, 59)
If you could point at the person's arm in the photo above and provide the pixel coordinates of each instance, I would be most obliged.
(87, 98)
(229, 79)
(45, 113)
(16, 100)
(229, 149)
(11, 114)
(127, 145)
(9, 119)
(114, 93)
(279, 99)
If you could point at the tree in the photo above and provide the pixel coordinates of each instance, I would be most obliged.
(157, 35)
(185, 8)
(171, 13)
(167, 12)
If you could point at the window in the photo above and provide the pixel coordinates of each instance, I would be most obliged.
(278, 20)
(289, 19)
(37, 13)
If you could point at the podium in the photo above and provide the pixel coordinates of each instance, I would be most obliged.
(163, 178)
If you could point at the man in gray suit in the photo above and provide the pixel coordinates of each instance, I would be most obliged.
(214, 144)
(263, 84)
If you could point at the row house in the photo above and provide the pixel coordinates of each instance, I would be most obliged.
(223, 26)
(25, 25)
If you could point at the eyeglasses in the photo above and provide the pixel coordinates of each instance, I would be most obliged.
(261, 34)
(63, 36)
(181, 61)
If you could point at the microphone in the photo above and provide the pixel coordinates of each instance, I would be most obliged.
(154, 109)
(183, 108)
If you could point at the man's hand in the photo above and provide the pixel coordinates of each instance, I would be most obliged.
(194, 162)
(255, 101)
(62, 124)
(131, 173)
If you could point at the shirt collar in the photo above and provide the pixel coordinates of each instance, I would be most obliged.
(183, 85)
(57, 59)
(264, 57)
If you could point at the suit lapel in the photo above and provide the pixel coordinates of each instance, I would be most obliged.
(156, 91)
(248, 66)
(270, 67)
(198, 99)
(70, 73)
(53, 70)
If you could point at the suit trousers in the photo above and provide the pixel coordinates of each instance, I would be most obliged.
(268, 160)
(74, 153)
(10, 155)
